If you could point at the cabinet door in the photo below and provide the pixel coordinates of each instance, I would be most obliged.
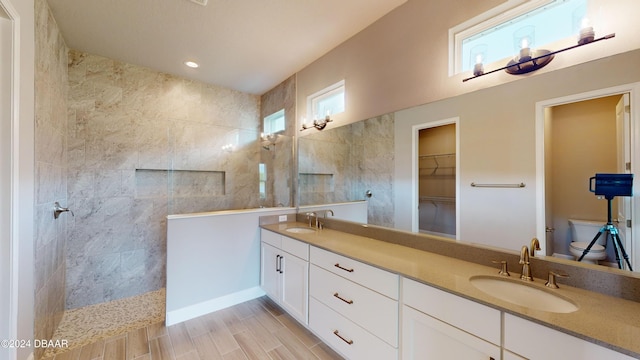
(424, 338)
(295, 288)
(519, 332)
(507, 355)
(270, 276)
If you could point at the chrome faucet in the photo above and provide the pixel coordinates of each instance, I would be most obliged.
(328, 211)
(526, 267)
(309, 215)
(320, 224)
(535, 245)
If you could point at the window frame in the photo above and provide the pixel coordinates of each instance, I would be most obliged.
(491, 18)
(271, 119)
(315, 98)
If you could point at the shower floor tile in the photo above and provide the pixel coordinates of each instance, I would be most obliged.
(89, 324)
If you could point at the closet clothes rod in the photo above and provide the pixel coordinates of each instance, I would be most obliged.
(520, 185)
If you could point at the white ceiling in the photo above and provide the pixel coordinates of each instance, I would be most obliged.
(247, 45)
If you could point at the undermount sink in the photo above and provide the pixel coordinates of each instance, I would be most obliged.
(300, 230)
(523, 294)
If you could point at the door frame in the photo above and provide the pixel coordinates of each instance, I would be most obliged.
(415, 172)
(633, 89)
(9, 237)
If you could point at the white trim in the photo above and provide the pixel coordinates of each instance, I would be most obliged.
(193, 311)
(634, 99)
(13, 267)
(415, 129)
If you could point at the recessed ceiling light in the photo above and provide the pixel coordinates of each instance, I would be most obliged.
(191, 64)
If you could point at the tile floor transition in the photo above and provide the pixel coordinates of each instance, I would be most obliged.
(133, 329)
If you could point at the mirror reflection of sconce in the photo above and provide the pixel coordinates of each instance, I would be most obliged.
(529, 59)
(268, 140)
(318, 124)
(227, 148)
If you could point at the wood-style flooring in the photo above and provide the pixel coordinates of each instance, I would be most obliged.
(257, 329)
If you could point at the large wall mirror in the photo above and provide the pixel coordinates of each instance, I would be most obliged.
(499, 136)
(354, 162)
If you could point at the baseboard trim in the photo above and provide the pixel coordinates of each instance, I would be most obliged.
(193, 311)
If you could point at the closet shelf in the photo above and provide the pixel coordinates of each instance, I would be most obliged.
(433, 156)
(442, 199)
(438, 162)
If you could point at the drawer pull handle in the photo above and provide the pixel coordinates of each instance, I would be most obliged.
(343, 299)
(350, 342)
(343, 268)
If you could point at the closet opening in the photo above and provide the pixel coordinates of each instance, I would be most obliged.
(437, 180)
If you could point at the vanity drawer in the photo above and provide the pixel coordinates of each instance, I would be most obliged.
(346, 337)
(271, 238)
(295, 247)
(369, 276)
(367, 308)
(477, 319)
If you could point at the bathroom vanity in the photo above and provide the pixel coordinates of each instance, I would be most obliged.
(372, 299)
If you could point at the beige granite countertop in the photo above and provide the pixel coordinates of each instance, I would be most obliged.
(608, 321)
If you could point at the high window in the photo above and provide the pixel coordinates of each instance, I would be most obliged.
(274, 123)
(262, 180)
(501, 32)
(328, 101)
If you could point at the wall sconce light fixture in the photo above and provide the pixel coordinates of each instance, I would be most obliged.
(268, 140)
(316, 123)
(478, 54)
(530, 60)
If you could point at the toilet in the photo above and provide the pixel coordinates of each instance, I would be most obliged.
(582, 233)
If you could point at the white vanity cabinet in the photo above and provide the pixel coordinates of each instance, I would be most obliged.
(534, 341)
(440, 325)
(284, 274)
(353, 306)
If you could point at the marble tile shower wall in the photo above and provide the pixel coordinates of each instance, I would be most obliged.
(341, 164)
(127, 127)
(375, 139)
(278, 157)
(326, 167)
(51, 172)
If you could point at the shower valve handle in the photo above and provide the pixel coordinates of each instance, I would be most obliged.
(57, 210)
